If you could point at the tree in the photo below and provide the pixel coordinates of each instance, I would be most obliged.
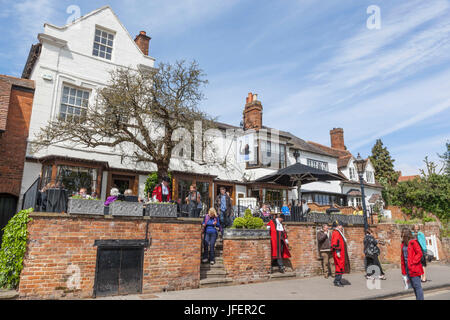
(137, 113)
(383, 164)
(429, 193)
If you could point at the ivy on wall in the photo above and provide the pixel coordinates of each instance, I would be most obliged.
(12, 252)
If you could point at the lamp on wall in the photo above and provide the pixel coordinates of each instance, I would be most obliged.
(360, 163)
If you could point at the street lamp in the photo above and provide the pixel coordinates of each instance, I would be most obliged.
(360, 168)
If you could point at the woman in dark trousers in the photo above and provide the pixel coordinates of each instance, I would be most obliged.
(210, 223)
(411, 257)
(371, 252)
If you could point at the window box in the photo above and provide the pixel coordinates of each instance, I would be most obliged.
(83, 206)
(161, 210)
(125, 208)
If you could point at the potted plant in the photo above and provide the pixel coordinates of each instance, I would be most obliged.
(161, 209)
(247, 226)
(79, 205)
(126, 208)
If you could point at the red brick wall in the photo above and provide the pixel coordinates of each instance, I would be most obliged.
(13, 142)
(323, 208)
(304, 253)
(247, 260)
(391, 234)
(172, 262)
(397, 213)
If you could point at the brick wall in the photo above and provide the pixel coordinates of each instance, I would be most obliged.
(323, 208)
(397, 213)
(15, 112)
(56, 242)
(391, 234)
(247, 260)
(304, 253)
(446, 249)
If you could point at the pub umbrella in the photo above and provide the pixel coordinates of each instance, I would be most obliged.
(298, 174)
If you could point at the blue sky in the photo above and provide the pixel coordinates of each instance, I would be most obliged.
(314, 64)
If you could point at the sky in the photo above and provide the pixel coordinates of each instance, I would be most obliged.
(378, 69)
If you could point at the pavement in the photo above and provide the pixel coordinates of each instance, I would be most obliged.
(313, 288)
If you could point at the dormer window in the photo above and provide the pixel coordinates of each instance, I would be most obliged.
(103, 44)
(352, 173)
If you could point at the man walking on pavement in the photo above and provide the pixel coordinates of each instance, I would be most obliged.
(324, 242)
(340, 253)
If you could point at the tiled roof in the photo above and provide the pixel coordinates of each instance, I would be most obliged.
(407, 178)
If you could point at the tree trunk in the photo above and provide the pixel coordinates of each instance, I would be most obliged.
(163, 171)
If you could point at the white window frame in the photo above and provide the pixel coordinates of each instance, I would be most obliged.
(108, 43)
(72, 105)
(317, 164)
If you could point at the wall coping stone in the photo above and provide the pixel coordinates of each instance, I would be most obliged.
(246, 234)
(56, 215)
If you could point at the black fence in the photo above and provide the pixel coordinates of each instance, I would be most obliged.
(30, 197)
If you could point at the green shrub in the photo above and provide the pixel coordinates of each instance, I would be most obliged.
(14, 245)
(248, 221)
(428, 219)
(239, 223)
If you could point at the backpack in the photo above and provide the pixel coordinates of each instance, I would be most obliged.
(370, 248)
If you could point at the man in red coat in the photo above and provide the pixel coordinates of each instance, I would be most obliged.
(340, 253)
(161, 192)
(278, 241)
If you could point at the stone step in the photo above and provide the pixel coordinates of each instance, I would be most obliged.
(281, 276)
(213, 274)
(215, 282)
(208, 266)
(6, 294)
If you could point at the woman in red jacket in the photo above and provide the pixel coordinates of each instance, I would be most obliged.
(411, 257)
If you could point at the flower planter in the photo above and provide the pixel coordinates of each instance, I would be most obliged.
(82, 206)
(161, 210)
(124, 208)
(241, 233)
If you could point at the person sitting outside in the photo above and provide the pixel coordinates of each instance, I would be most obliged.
(358, 211)
(114, 194)
(129, 197)
(285, 209)
(265, 210)
(83, 194)
(305, 208)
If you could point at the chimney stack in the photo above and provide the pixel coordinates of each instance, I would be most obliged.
(337, 139)
(143, 42)
(252, 112)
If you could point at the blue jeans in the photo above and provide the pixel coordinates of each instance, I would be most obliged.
(417, 286)
(208, 245)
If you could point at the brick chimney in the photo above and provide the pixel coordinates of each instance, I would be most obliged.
(252, 112)
(143, 42)
(337, 139)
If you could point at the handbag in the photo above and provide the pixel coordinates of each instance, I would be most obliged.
(406, 282)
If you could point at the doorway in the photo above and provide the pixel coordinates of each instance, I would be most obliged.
(122, 182)
(119, 268)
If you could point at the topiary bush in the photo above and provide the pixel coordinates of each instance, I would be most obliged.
(14, 245)
(248, 221)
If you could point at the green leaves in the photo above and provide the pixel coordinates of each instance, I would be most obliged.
(14, 245)
(248, 221)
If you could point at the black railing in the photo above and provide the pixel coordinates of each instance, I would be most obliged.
(31, 196)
